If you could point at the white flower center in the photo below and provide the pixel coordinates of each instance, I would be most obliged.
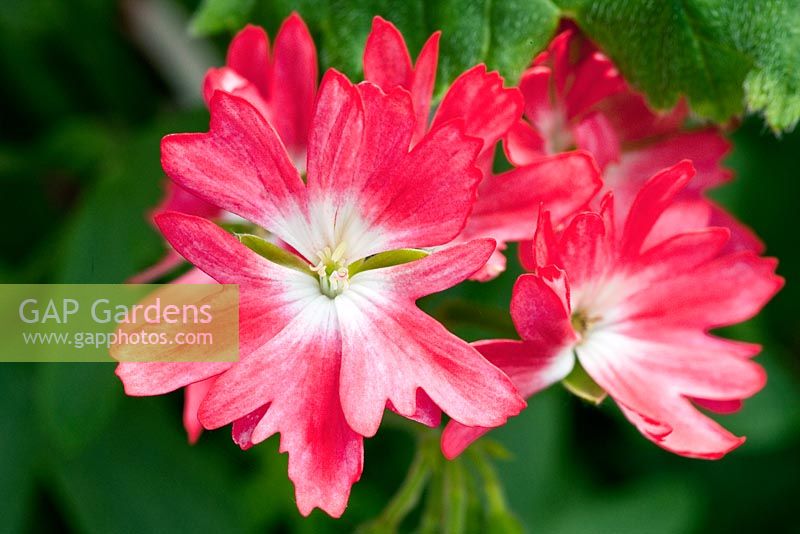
(331, 268)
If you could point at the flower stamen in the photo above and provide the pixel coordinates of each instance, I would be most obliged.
(334, 277)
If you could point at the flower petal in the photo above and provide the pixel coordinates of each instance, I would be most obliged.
(248, 55)
(269, 294)
(656, 196)
(541, 314)
(156, 378)
(594, 78)
(723, 407)
(687, 432)
(380, 195)
(671, 367)
(424, 81)
(494, 266)
(530, 367)
(721, 292)
(193, 395)
(677, 254)
(427, 412)
(427, 198)
(386, 60)
(634, 121)
(388, 65)
(297, 374)
(508, 203)
(239, 165)
(595, 134)
(742, 237)
(487, 108)
(165, 265)
(293, 84)
(180, 200)
(586, 248)
(535, 87)
(685, 215)
(228, 80)
(544, 249)
(523, 144)
(242, 428)
(393, 346)
(396, 349)
(705, 148)
(651, 380)
(457, 437)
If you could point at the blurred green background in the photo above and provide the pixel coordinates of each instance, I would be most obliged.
(88, 89)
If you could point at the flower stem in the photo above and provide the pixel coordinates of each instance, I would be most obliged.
(410, 491)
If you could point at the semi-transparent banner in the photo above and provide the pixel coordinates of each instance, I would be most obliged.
(130, 322)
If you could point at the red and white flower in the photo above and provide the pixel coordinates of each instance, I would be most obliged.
(331, 337)
(576, 98)
(635, 318)
(280, 83)
(507, 202)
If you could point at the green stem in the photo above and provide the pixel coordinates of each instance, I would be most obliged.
(499, 517)
(495, 496)
(456, 500)
(410, 491)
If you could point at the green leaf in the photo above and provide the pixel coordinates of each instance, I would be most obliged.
(504, 35)
(214, 16)
(719, 54)
(387, 259)
(581, 384)
(520, 29)
(723, 56)
(273, 252)
(348, 23)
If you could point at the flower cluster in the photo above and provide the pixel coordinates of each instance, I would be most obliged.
(356, 202)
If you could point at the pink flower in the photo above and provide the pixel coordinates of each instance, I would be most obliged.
(576, 98)
(636, 320)
(331, 336)
(506, 202)
(281, 85)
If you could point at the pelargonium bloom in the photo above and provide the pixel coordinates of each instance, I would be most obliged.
(576, 98)
(635, 319)
(281, 85)
(329, 334)
(508, 201)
